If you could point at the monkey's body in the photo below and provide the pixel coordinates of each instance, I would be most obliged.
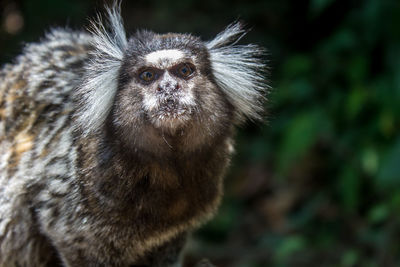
(38, 157)
(126, 188)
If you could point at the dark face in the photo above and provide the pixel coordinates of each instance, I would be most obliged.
(167, 98)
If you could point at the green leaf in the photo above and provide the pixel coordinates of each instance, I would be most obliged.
(300, 135)
(289, 246)
(378, 213)
(296, 66)
(358, 69)
(370, 161)
(355, 102)
(350, 258)
(389, 173)
(349, 188)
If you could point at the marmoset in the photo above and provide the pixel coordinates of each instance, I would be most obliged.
(113, 149)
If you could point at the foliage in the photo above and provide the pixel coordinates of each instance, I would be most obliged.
(319, 183)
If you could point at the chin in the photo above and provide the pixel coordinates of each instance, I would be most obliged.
(171, 121)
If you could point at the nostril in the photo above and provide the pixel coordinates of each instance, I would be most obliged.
(177, 86)
(159, 89)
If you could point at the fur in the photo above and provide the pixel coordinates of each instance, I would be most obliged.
(98, 89)
(239, 70)
(102, 168)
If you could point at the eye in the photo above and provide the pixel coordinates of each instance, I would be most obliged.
(147, 75)
(185, 70)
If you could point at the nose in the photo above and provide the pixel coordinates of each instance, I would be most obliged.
(168, 84)
(168, 87)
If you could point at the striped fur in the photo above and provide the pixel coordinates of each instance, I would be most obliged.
(36, 147)
(98, 169)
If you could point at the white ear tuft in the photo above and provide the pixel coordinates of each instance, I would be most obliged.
(96, 94)
(231, 35)
(239, 71)
(111, 42)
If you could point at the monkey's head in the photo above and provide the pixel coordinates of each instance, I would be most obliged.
(157, 91)
(167, 93)
(169, 75)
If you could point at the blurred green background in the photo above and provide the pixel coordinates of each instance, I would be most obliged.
(318, 184)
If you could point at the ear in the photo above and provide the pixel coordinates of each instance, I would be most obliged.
(239, 71)
(96, 94)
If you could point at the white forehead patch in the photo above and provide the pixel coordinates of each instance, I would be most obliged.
(171, 55)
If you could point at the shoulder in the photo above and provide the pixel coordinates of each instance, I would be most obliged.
(59, 44)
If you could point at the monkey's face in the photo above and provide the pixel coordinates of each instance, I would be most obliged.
(166, 93)
(166, 80)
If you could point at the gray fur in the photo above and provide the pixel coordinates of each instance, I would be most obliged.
(99, 167)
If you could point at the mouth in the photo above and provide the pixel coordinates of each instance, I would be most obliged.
(169, 111)
(170, 115)
(171, 107)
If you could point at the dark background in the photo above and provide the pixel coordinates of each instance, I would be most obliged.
(317, 184)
